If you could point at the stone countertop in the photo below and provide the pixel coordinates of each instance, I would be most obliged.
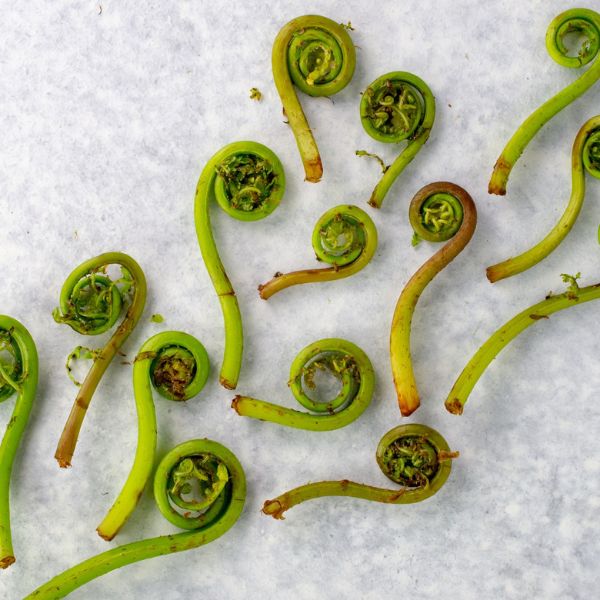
(109, 111)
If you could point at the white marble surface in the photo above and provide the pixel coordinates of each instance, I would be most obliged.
(107, 120)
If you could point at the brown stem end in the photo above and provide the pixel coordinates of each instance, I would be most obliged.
(234, 403)
(408, 405)
(313, 169)
(63, 463)
(275, 509)
(6, 562)
(261, 293)
(454, 406)
(497, 190)
(444, 455)
(226, 383)
(105, 537)
(493, 275)
(499, 177)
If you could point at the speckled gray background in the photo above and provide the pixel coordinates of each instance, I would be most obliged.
(107, 120)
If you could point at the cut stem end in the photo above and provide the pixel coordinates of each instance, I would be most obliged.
(313, 170)
(454, 406)
(444, 455)
(275, 509)
(228, 385)
(105, 537)
(63, 463)
(493, 274)
(408, 405)
(499, 177)
(262, 293)
(6, 562)
(235, 402)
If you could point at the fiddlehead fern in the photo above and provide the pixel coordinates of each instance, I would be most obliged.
(344, 237)
(176, 365)
(91, 303)
(585, 157)
(438, 212)
(316, 55)
(414, 456)
(340, 358)
(248, 182)
(18, 374)
(541, 311)
(397, 107)
(200, 477)
(577, 20)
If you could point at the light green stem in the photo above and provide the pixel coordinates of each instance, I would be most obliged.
(183, 365)
(217, 520)
(414, 452)
(344, 237)
(89, 269)
(317, 55)
(541, 311)
(144, 455)
(574, 20)
(397, 107)
(248, 182)
(397, 167)
(342, 359)
(460, 228)
(20, 378)
(542, 249)
(311, 491)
